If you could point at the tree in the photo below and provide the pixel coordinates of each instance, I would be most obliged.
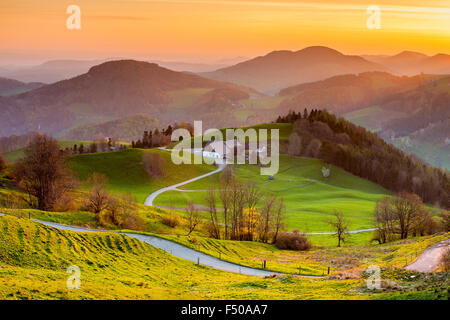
(406, 208)
(81, 149)
(252, 196)
(385, 223)
(266, 217)
(98, 198)
(295, 144)
(41, 173)
(213, 228)
(279, 218)
(340, 227)
(93, 147)
(193, 218)
(2, 164)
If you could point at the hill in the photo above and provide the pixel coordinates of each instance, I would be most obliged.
(415, 120)
(412, 63)
(124, 129)
(281, 69)
(363, 153)
(346, 92)
(107, 92)
(10, 86)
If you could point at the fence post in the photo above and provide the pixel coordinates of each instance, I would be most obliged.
(264, 264)
(299, 270)
(198, 260)
(328, 270)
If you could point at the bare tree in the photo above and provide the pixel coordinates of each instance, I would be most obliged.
(266, 217)
(384, 220)
(279, 218)
(340, 226)
(98, 198)
(214, 227)
(41, 173)
(193, 218)
(406, 207)
(225, 198)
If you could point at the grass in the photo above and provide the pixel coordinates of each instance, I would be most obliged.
(315, 261)
(309, 199)
(34, 259)
(126, 173)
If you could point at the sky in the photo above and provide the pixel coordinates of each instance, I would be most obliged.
(212, 30)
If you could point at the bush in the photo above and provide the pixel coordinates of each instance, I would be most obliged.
(173, 220)
(445, 260)
(292, 241)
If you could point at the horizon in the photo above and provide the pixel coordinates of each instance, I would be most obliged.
(210, 31)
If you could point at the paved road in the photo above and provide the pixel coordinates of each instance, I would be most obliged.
(152, 197)
(430, 259)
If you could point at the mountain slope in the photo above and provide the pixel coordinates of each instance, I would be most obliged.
(280, 69)
(346, 92)
(107, 92)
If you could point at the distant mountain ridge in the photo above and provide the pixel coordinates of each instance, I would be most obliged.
(109, 91)
(11, 86)
(281, 69)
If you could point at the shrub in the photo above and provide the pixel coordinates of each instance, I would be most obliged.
(173, 220)
(292, 241)
(445, 260)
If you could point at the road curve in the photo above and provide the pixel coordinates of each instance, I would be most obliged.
(152, 197)
(430, 259)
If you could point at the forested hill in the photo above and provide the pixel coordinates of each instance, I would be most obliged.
(337, 141)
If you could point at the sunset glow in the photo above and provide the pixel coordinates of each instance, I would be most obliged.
(222, 28)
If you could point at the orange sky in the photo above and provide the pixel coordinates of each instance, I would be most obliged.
(215, 29)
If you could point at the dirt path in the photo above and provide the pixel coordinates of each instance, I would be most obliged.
(429, 260)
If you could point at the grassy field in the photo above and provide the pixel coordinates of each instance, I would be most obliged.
(318, 259)
(34, 260)
(310, 200)
(126, 172)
